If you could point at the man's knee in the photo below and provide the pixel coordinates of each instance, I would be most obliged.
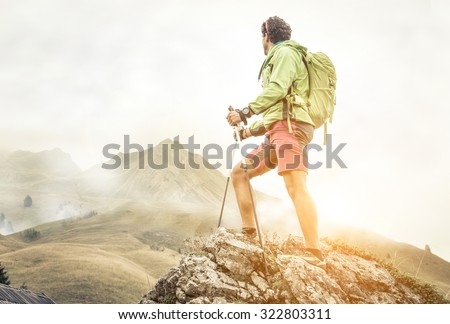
(296, 184)
(237, 175)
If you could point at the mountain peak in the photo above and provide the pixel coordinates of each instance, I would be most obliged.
(227, 268)
(54, 162)
(167, 141)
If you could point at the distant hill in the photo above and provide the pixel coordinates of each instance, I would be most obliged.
(46, 176)
(405, 257)
(171, 183)
(23, 167)
(50, 178)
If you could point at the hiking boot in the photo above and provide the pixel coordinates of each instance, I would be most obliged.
(314, 260)
(249, 232)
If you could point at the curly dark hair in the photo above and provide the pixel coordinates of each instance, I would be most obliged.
(278, 29)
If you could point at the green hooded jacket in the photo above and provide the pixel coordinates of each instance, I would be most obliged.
(282, 68)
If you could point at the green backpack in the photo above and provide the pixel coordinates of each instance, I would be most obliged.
(322, 87)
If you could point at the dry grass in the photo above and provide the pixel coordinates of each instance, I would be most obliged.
(428, 293)
(406, 258)
(71, 273)
(8, 244)
(109, 258)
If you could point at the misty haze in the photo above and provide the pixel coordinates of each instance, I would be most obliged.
(91, 215)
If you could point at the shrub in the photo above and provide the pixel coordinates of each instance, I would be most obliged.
(4, 278)
(429, 293)
(30, 235)
(27, 202)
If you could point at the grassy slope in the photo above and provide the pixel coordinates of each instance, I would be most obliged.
(109, 258)
(69, 273)
(404, 257)
(430, 294)
(8, 244)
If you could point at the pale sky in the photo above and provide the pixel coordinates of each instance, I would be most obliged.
(78, 74)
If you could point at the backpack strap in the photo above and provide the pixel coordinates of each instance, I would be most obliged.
(287, 107)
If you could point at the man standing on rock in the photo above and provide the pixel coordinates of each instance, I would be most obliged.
(287, 128)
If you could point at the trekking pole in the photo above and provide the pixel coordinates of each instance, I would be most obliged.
(223, 201)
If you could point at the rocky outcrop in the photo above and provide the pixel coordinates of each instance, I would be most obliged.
(229, 268)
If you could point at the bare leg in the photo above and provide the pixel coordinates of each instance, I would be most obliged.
(295, 182)
(241, 185)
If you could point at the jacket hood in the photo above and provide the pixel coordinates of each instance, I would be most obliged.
(291, 43)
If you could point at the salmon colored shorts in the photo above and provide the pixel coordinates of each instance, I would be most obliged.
(283, 149)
